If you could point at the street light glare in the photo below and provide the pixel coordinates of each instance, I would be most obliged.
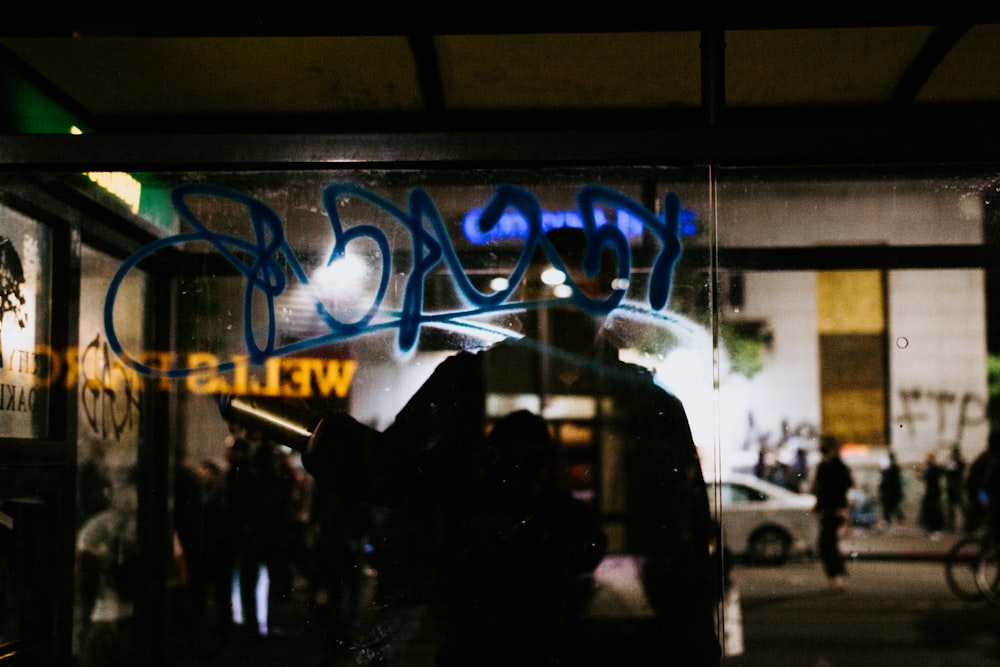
(553, 276)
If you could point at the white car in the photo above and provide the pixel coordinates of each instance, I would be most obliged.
(763, 522)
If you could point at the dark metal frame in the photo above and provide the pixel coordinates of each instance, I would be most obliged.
(963, 146)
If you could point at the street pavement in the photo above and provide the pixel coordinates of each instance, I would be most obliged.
(904, 542)
(895, 609)
(301, 644)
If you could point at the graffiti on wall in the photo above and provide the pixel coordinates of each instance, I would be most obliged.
(265, 259)
(757, 439)
(926, 415)
(784, 457)
(939, 414)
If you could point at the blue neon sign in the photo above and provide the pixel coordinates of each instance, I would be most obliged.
(513, 225)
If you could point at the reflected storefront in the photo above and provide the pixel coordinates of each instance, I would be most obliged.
(867, 314)
(374, 296)
(774, 306)
(33, 501)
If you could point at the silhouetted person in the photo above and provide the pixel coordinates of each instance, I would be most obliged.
(188, 534)
(830, 486)
(520, 556)
(241, 489)
(800, 471)
(433, 465)
(979, 500)
(890, 491)
(762, 468)
(931, 510)
(990, 492)
(271, 532)
(339, 530)
(954, 484)
(211, 563)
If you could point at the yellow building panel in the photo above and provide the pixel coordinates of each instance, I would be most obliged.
(855, 415)
(849, 302)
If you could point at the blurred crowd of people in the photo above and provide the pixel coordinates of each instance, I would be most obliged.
(947, 494)
(255, 538)
(952, 494)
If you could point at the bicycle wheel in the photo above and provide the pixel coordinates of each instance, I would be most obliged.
(988, 572)
(961, 565)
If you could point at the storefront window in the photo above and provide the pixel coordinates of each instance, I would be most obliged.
(29, 369)
(356, 356)
(380, 298)
(28, 365)
(839, 303)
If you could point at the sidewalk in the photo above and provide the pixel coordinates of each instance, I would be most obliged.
(906, 542)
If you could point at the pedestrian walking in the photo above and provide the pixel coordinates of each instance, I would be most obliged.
(830, 486)
(890, 490)
(954, 483)
(931, 513)
(977, 494)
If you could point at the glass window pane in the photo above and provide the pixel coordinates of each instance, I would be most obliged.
(840, 298)
(414, 324)
(27, 363)
(109, 432)
(430, 321)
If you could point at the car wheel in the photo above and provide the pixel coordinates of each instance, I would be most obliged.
(769, 545)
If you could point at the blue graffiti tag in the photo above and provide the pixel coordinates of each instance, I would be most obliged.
(270, 254)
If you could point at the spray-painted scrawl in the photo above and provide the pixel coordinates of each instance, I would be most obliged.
(268, 263)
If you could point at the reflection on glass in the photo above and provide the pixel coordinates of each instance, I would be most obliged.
(107, 555)
(28, 365)
(110, 418)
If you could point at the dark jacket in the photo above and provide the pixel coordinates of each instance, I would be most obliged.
(656, 497)
(833, 481)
